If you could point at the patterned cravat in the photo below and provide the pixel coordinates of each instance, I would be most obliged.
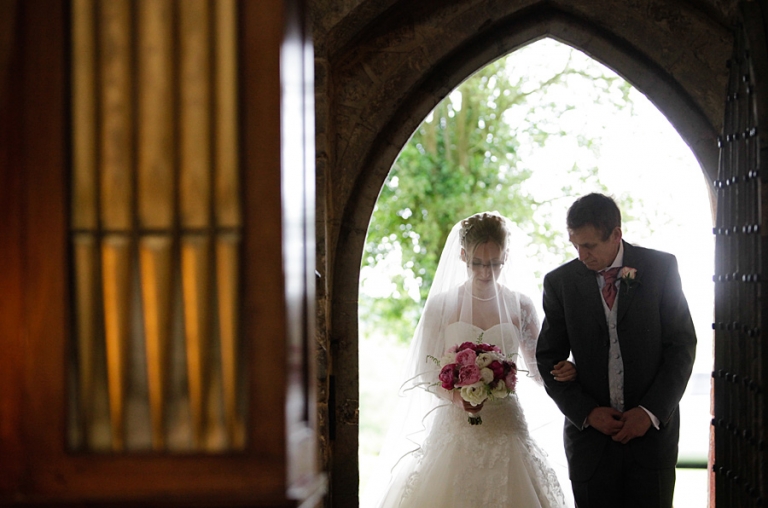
(609, 288)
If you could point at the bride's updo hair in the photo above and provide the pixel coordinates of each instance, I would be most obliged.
(483, 227)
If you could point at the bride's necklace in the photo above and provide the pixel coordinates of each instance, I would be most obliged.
(483, 299)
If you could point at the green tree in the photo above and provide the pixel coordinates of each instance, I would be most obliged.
(465, 158)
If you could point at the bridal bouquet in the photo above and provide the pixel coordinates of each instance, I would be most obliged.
(479, 371)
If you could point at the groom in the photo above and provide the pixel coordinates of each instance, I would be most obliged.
(620, 311)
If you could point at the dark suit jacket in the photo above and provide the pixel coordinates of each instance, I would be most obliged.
(657, 341)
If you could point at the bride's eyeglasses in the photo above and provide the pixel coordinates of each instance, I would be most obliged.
(493, 265)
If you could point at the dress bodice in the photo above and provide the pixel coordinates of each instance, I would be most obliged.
(504, 335)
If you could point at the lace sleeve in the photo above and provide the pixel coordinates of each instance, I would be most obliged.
(529, 328)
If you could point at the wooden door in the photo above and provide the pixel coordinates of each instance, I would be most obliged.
(740, 464)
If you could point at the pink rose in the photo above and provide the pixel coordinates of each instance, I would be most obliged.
(511, 379)
(467, 346)
(497, 368)
(486, 348)
(509, 365)
(468, 375)
(447, 377)
(466, 357)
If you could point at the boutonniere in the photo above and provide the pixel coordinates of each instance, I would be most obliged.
(628, 277)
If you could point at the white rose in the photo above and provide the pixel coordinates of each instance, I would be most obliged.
(475, 394)
(500, 391)
(497, 356)
(628, 273)
(447, 359)
(483, 360)
(486, 375)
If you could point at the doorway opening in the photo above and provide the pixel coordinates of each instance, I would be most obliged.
(572, 126)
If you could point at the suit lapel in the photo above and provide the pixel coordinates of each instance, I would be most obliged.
(626, 294)
(586, 284)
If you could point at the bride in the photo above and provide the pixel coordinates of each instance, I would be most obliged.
(432, 456)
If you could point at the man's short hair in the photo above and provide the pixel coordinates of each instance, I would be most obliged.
(596, 210)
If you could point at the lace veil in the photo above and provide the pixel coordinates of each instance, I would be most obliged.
(470, 288)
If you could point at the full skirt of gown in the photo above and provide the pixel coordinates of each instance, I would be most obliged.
(495, 464)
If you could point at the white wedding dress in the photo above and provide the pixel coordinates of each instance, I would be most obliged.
(495, 464)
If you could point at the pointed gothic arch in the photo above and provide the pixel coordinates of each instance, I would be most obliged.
(382, 77)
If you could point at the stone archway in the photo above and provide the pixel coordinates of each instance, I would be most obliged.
(382, 68)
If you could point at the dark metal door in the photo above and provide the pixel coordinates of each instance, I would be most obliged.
(739, 423)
